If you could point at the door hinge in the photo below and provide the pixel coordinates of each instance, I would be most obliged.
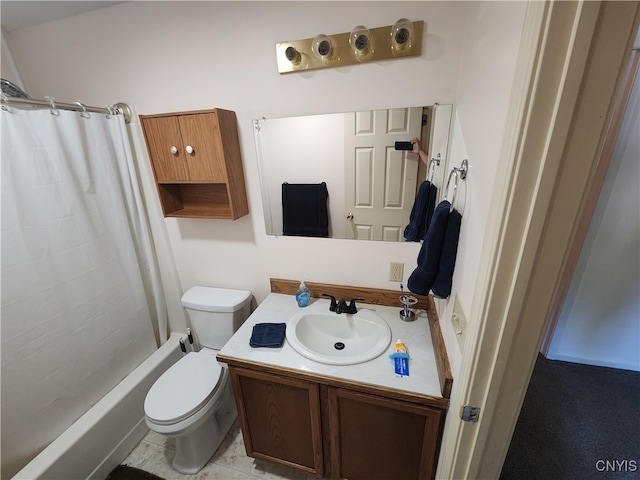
(469, 413)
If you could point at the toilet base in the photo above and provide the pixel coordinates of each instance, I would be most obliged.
(195, 448)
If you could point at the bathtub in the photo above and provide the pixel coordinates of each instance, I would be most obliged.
(103, 437)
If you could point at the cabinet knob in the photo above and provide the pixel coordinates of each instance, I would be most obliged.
(173, 149)
(189, 149)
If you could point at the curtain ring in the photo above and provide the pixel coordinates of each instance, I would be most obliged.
(4, 100)
(113, 110)
(84, 113)
(54, 110)
(257, 123)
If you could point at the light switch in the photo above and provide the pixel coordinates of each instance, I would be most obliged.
(459, 321)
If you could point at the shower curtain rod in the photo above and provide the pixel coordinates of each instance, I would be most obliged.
(116, 109)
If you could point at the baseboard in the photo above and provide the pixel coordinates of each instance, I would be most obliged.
(593, 362)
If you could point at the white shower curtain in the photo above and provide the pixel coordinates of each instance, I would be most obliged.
(79, 277)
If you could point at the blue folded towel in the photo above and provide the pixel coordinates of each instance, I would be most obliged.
(268, 335)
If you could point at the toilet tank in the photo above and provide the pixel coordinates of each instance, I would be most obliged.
(216, 313)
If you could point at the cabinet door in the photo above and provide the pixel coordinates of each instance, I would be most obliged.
(375, 437)
(280, 419)
(163, 139)
(201, 132)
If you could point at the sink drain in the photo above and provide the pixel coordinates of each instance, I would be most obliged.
(338, 345)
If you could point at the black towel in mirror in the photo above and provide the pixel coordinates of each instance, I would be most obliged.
(304, 209)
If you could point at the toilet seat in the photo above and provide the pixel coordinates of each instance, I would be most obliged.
(184, 389)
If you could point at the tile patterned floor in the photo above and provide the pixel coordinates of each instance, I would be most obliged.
(155, 452)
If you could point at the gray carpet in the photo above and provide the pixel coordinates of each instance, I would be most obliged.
(577, 422)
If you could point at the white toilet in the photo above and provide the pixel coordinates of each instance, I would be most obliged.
(192, 401)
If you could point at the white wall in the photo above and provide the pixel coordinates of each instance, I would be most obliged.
(9, 70)
(598, 324)
(487, 67)
(175, 56)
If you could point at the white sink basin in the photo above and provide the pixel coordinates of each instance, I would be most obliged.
(338, 339)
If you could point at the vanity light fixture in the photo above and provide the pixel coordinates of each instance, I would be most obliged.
(402, 39)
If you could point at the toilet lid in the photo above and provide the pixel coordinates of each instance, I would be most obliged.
(183, 389)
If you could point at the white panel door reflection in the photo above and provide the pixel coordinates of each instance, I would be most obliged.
(380, 182)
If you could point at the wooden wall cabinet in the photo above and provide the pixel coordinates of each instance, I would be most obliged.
(343, 433)
(197, 163)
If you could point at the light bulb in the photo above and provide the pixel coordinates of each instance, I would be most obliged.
(360, 41)
(292, 55)
(322, 47)
(401, 35)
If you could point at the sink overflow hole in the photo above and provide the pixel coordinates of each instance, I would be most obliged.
(338, 345)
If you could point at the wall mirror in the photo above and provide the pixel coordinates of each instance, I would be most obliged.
(369, 186)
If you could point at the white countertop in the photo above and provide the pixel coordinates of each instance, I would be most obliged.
(277, 308)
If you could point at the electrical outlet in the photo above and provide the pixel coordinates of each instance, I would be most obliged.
(459, 321)
(396, 272)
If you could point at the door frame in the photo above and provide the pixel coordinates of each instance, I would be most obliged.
(571, 65)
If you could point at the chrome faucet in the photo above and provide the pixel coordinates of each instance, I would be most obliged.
(341, 306)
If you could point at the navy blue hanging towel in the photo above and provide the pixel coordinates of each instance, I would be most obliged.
(268, 335)
(422, 278)
(304, 209)
(442, 285)
(422, 212)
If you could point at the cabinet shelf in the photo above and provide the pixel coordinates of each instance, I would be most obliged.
(197, 163)
(195, 200)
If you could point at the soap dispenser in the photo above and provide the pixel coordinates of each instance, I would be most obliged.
(303, 296)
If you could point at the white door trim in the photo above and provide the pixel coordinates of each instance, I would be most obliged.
(573, 56)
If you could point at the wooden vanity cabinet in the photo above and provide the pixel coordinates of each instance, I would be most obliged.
(381, 438)
(197, 163)
(323, 429)
(280, 419)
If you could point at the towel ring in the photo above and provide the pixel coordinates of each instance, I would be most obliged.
(433, 161)
(460, 173)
